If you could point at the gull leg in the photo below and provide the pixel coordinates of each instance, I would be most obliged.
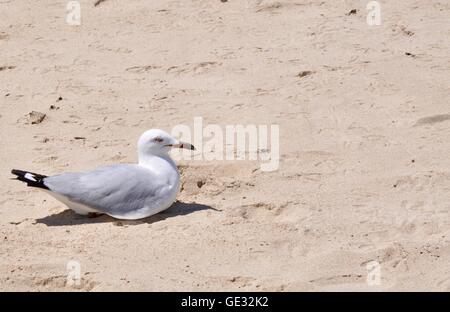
(92, 215)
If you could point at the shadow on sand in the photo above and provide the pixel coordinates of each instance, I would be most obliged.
(68, 217)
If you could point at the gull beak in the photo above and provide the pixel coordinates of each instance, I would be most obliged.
(184, 145)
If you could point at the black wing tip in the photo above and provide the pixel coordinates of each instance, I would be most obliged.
(18, 172)
(37, 181)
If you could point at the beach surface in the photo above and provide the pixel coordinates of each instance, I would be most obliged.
(360, 200)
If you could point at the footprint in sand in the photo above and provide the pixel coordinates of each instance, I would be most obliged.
(432, 119)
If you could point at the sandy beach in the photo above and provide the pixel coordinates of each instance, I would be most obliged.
(364, 119)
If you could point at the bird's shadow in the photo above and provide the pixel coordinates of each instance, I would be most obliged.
(68, 217)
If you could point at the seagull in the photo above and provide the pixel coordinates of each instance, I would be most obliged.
(122, 191)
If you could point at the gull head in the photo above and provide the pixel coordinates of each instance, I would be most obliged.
(156, 142)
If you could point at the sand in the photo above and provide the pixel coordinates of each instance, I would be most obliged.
(363, 113)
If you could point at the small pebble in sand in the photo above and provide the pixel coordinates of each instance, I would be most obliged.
(5, 67)
(352, 12)
(305, 73)
(200, 183)
(98, 2)
(36, 117)
(407, 32)
(410, 54)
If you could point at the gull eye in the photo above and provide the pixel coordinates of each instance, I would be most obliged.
(158, 140)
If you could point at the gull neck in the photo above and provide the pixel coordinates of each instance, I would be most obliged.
(156, 161)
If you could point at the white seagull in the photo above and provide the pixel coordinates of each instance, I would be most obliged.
(123, 191)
